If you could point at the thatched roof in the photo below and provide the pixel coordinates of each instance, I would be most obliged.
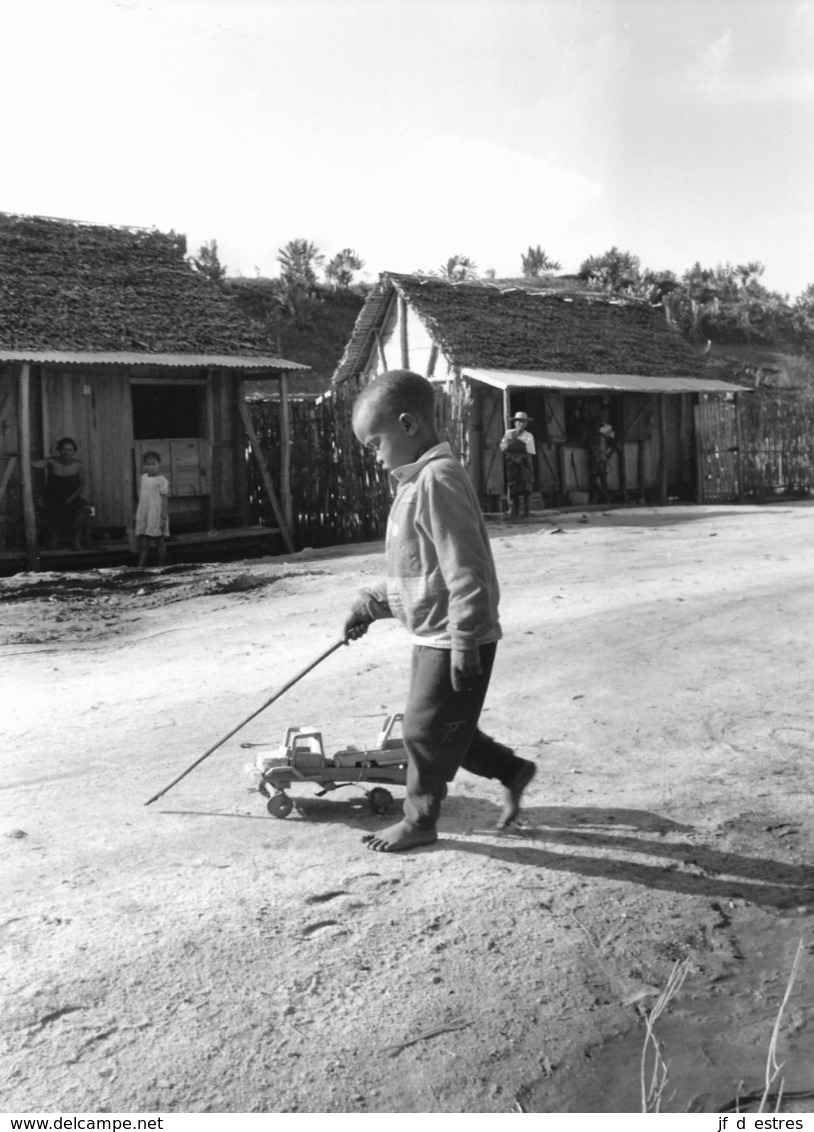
(485, 326)
(67, 286)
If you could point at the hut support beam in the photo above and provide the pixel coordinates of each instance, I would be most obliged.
(739, 450)
(431, 361)
(380, 351)
(266, 475)
(285, 452)
(662, 452)
(29, 517)
(405, 345)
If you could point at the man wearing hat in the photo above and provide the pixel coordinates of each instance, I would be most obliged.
(520, 450)
(520, 432)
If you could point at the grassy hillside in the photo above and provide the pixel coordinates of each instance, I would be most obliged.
(319, 344)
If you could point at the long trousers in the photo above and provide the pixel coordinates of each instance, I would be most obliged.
(441, 734)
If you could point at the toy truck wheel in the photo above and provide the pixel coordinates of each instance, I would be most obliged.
(380, 800)
(279, 805)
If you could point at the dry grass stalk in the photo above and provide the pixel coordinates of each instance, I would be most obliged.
(653, 1091)
(773, 1068)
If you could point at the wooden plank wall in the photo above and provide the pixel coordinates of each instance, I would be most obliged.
(97, 413)
(226, 448)
(11, 526)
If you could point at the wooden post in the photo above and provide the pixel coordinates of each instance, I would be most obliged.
(29, 517)
(285, 452)
(210, 440)
(241, 467)
(405, 346)
(662, 453)
(739, 442)
(699, 452)
(507, 409)
(431, 361)
(380, 350)
(266, 476)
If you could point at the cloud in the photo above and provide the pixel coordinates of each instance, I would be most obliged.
(733, 71)
(714, 62)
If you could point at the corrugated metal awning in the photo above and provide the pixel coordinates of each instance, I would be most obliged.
(131, 358)
(597, 382)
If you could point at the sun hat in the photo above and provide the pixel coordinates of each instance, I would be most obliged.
(522, 417)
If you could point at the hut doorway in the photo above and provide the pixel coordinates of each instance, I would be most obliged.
(172, 418)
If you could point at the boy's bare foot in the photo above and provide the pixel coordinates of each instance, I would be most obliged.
(397, 837)
(513, 792)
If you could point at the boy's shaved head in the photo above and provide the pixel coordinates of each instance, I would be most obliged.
(395, 392)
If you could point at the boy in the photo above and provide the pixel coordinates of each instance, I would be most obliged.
(442, 586)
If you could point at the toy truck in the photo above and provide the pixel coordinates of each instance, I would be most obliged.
(302, 759)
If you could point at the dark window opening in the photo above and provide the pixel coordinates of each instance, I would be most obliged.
(584, 415)
(161, 412)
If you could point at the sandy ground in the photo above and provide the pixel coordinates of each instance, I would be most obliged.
(201, 955)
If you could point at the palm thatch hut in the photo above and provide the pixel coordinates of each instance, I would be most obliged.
(110, 336)
(566, 358)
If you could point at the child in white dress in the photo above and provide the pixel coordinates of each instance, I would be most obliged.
(152, 521)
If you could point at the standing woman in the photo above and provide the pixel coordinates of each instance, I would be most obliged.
(66, 512)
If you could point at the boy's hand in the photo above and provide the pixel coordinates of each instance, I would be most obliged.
(356, 625)
(465, 665)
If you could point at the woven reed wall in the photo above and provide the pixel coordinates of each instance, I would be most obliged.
(339, 493)
(777, 438)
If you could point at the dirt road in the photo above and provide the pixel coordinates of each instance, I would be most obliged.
(200, 955)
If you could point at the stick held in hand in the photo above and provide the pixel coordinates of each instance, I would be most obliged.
(276, 696)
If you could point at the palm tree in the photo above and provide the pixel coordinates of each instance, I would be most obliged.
(458, 269)
(208, 263)
(536, 260)
(340, 270)
(299, 259)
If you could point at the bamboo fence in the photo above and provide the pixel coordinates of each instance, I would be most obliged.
(777, 439)
(339, 493)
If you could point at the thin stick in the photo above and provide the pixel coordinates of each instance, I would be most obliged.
(773, 1069)
(396, 1049)
(276, 696)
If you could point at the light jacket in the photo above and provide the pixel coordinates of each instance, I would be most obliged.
(441, 582)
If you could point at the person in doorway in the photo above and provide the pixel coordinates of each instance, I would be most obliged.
(442, 586)
(519, 450)
(66, 514)
(601, 443)
(152, 521)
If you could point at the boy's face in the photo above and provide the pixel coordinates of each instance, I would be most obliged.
(151, 466)
(395, 441)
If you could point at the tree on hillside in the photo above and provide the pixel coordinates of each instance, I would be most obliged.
(208, 263)
(299, 260)
(535, 261)
(614, 270)
(458, 269)
(340, 270)
(801, 318)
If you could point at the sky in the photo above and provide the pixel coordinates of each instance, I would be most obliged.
(414, 130)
